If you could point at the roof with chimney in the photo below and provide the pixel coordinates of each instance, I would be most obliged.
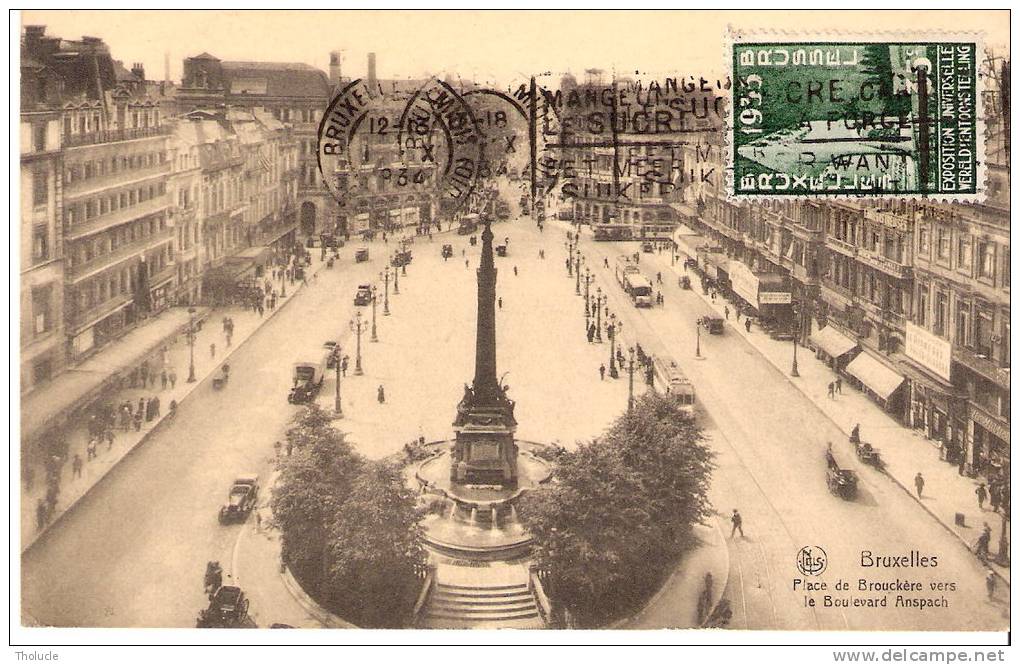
(275, 79)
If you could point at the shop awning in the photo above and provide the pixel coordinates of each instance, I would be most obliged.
(833, 342)
(876, 376)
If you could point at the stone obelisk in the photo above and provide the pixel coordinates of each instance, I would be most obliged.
(484, 452)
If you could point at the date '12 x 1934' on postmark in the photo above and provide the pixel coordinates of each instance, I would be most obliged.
(856, 119)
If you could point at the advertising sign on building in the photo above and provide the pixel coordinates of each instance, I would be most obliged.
(744, 282)
(774, 298)
(929, 350)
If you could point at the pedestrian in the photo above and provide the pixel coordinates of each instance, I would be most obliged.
(738, 523)
(173, 378)
(381, 395)
(212, 350)
(90, 449)
(832, 390)
(40, 515)
(602, 372)
(343, 366)
(855, 434)
(747, 324)
(515, 271)
(499, 301)
(738, 315)
(155, 407)
(983, 541)
(591, 333)
(262, 308)
(466, 262)
(658, 277)
(163, 378)
(839, 385)
(993, 496)
(290, 447)
(109, 438)
(726, 311)
(76, 465)
(145, 373)
(919, 484)
(276, 448)
(990, 583)
(138, 420)
(605, 262)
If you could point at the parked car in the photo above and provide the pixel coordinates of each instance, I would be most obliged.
(500, 250)
(713, 324)
(228, 608)
(647, 247)
(361, 255)
(363, 296)
(241, 500)
(447, 251)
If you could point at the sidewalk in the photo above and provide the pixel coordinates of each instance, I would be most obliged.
(675, 605)
(904, 452)
(177, 352)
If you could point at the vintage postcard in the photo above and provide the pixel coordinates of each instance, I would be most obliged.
(440, 321)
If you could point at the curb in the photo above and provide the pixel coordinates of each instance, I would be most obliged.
(719, 586)
(156, 427)
(799, 386)
(319, 613)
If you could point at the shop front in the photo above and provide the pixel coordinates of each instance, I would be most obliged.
(877, 380)
(687, 243)
(766, 294)
(934, 407)
(989, 436)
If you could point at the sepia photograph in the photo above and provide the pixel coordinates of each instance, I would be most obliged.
(664, 326)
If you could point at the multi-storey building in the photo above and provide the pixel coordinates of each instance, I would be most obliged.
(42, 270)
(116, 236)
(185, 186)
(294, 93)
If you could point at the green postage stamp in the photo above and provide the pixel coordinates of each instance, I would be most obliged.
(856, 118)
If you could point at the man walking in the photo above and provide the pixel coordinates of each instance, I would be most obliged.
(839, 385)
(726, 311)
(990, 583)
(591, 333)
(602, 372)
(163, 378)
(982, 494)
(832, 390)
(381, 395)
(919, 484)
(747, 324)
(212, 350)
(173, 378)
(738, 523)
(76, 465)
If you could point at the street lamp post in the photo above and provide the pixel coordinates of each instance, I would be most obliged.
(793, 370)
(375, 337)
(386, 294)
(587, 283)
(191, 344)
(357, 327)
(338, 411)
(697, 348)
(630, 388)
(577, 275)
(611, 331)
(396, 283)
(598, 315)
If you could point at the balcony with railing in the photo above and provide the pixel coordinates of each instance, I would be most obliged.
(889, 220)
(114, 135)
(122, 179)
(80, 271)
(886, 265)
(983, 364)
(79, 317)
(117, 217)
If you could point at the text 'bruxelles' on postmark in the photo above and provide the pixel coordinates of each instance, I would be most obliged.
(856, 117)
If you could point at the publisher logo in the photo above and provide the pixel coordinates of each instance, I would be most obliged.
(811, 560)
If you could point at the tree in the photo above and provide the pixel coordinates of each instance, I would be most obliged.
(621, 510)
(375, 548)
(314, 483)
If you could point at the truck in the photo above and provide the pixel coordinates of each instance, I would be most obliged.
(308, 374)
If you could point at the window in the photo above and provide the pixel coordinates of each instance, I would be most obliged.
(944, 240)
(42, 317)
(986, 260)
(963, 329)
(40, 188)
(963, 252)
(39, 137)
(922, 241)
(1005, 267)
(941, 306)
(40, 244)
(922, 304)
(983, 334)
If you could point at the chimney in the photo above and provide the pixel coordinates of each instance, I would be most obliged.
(166, 66)
(334, 68)
(138, 70)
(33, 35)
(371, 71)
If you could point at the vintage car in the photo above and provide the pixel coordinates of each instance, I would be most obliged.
(713, 324)
(330, 240)
(363, 296)
(447, 251)
(841, 481)
(361, 255)
(565, 214)
(647, 247)
(500, 250)
(308, 376)
(228, 608)
(241, 500)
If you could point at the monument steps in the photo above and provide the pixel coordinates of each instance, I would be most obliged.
(458, 606)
